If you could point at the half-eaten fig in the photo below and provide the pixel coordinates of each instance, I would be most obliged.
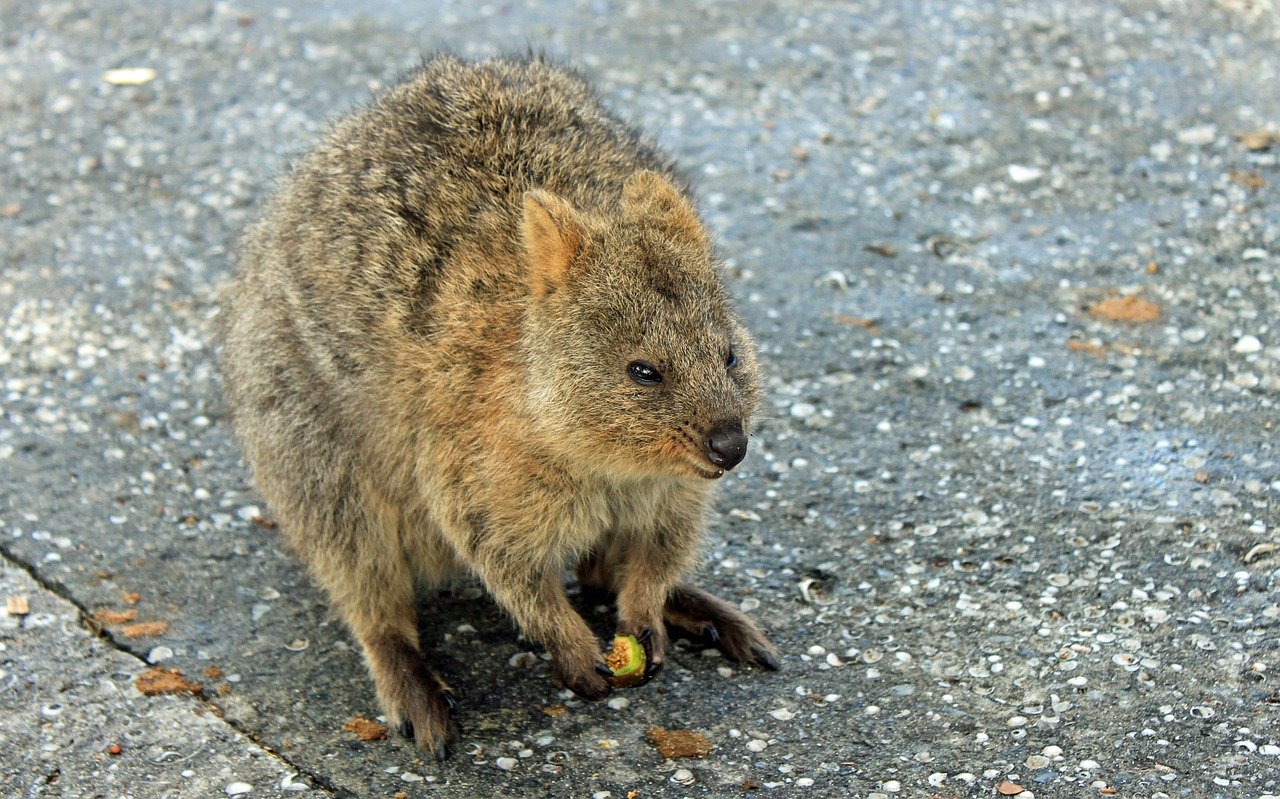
(626, 661)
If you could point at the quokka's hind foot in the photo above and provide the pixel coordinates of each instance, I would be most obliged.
(703, 617)
(417, 702)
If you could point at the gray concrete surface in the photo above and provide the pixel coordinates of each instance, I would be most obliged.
(998, 539)
(72, 723)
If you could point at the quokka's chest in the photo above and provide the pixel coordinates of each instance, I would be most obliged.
(635, 508)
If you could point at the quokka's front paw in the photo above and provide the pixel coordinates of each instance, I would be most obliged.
(653, 639)
(424, 717)
(584, 673)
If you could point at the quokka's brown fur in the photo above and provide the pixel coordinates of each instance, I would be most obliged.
(429, 352)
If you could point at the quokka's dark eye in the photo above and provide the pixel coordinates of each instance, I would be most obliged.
(643, 373)
(731, 361)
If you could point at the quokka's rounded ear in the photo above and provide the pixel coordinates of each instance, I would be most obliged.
(553, 236)
(651, 198)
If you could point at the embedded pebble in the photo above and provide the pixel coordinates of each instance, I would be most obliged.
(132, 76)
(835, 279)
(1246, 345)
(238, 788)
(803, 410)
(290, 783)
(160, 654)
(1024, 174)
(506, 763)
(1198, 135)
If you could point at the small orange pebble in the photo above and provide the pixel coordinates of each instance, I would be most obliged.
(1126, 309)
(672, 744)
(153, 682)
(365, 729)
(111, 618)
(1076, 345)
(145, 629)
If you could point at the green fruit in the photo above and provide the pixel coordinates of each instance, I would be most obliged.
(626, 661)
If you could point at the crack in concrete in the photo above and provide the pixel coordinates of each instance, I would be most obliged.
(95, 629)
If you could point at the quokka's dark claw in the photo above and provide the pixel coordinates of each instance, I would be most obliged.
(603, 670)
(766, 658)
(406, 729)
(652, 671)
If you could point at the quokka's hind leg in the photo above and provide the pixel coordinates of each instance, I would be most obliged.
(594, 575)
(375, 599)
(704, 617)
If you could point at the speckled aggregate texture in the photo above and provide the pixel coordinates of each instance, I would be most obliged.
(1007, 543)
(72, 723)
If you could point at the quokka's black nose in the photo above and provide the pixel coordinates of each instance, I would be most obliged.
(727, 445)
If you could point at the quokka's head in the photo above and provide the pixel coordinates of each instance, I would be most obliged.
(636, 359)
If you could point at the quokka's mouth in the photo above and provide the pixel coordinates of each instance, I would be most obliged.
(688, 454)
(708, 472)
